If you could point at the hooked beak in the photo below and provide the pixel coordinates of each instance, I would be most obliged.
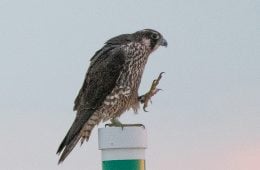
(163, 42)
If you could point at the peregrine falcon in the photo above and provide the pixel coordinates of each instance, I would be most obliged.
(111, 84)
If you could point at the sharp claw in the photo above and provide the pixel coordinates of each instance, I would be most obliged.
(160, 75)
(145, 109)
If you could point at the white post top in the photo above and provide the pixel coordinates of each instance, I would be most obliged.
(118, 138)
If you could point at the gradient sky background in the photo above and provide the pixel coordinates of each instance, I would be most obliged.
(207, 117)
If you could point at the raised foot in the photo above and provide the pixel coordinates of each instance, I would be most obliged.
(153, 90)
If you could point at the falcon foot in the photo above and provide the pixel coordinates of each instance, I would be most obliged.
(125, 125)
(153, 90)
(117, 123)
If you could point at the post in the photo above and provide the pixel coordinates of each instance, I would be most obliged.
(122, 149)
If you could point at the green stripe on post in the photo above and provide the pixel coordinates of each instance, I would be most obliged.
(123, 165)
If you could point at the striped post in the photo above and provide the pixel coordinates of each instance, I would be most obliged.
(122, 149)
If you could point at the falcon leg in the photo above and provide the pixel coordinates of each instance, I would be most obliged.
(144, 99)
(116, 123)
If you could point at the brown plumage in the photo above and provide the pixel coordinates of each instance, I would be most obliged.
(111, 84)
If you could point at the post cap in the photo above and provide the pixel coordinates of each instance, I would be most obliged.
(118, 138)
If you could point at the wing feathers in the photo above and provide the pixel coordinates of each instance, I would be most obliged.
(100, 80)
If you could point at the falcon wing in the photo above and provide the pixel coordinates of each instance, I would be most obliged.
(100, 80)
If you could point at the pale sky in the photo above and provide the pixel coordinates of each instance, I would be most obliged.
(206, 118)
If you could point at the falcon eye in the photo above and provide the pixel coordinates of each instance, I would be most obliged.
(155, 36)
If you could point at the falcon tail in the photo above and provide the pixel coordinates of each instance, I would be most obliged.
(74, 134)
(67, 147)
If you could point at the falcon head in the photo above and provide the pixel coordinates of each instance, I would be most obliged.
(150, 38)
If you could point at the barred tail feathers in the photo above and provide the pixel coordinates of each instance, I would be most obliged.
(74, 134)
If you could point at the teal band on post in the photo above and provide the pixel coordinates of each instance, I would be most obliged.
(123, 165)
